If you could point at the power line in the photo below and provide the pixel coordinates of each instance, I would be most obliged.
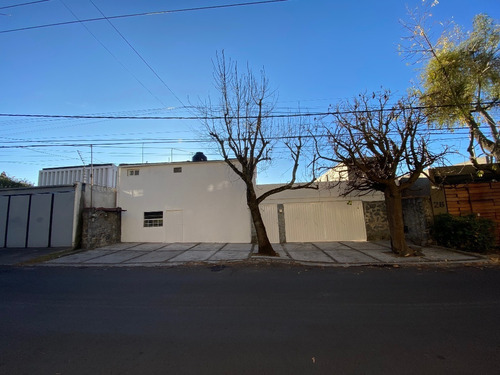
(23, 4)
(143, 14)
(154, 137)
(150, 141)
(137, 53)
(286, 115)
(109, 51)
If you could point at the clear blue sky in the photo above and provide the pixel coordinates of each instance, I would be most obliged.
(315, 53)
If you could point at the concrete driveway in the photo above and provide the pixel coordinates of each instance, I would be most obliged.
(344, 253)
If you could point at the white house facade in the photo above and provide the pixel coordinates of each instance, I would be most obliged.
(201, 201)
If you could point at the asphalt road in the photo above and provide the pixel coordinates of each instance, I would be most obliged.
(13, 256)
(249, 320)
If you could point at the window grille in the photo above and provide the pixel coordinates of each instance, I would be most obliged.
(153, 219)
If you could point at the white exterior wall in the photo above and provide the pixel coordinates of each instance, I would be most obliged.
(104, 175)
(101, 197)
(327, 192)
(204, 203)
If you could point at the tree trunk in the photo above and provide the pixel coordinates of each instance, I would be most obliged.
(394, 206)
(265, 247)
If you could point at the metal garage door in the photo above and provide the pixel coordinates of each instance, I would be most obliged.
(37, 220)
(324, 221)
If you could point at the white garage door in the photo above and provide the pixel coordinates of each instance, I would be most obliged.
(269, 214)
(325, 221)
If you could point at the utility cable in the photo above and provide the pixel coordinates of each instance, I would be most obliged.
(287, 115)
(142, 14)
(138, 54)
(23, 4)
(111, 53)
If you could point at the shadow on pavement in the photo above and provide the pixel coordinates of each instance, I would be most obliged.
(14, 256)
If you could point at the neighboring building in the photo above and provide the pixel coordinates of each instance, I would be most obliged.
(47, 216)
(103, 175)
(200, 201)
(338, 173)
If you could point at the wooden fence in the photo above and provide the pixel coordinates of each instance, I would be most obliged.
(482, 199)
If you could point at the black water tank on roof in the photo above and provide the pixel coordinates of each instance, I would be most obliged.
(199, 156)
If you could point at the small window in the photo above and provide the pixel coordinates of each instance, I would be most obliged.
(153, 219)
(177, 169)
(132, 172)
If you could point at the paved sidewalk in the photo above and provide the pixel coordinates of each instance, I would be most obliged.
(344, 253)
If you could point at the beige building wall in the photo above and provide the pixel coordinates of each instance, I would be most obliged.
(199, 201)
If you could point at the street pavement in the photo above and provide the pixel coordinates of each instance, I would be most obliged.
(246, 320)
(343, 254)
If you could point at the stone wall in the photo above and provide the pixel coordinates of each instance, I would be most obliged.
(101, 227)
(418, 219)
(376, 224)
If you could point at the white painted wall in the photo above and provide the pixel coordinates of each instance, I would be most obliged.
(327, 192)
(204, 203)
(101, 196)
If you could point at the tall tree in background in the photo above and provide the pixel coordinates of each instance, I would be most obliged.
(247, 135)
(461, 78)
(383, 147)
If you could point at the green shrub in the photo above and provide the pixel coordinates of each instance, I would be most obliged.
(468, 233)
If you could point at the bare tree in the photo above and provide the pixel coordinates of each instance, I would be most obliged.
(385, 148)
(248, 135)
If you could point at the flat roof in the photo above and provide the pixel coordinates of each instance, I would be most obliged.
(125, 165)
(80, 166)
